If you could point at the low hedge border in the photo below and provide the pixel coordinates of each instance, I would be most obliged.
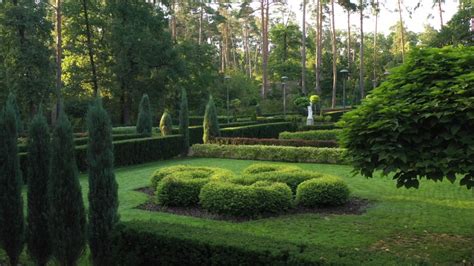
(269, 130)
(276, 142)
(271, 153)
(253, 200)
(331, 134)
(318, 126)
(321, 192)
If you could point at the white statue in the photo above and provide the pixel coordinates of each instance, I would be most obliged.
(310, 120)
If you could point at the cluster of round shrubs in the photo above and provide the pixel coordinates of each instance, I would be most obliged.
(260, 189)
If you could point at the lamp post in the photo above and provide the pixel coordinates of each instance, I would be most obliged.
(226, 81)
(344, 74)
(283, 84)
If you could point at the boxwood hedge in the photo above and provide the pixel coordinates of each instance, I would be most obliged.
(323, 191)
(330, 134)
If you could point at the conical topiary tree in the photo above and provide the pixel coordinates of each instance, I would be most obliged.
(11, 100)
(166, 124)
(67, 218)
(211, 122)
(144, 123)
(11, 203)
(103, 199)
(184, 120)
(39, 154)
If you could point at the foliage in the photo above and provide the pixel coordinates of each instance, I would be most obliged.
(330, 134)
(166, 124)
(301, 102)
(458, 30)
(103, 198)
(314, 99)
(270, 130)
(418, 123)
(39, 154)
(323, 191)
(145, 121)
(247, 201)
(317, 126)
(210, 123)
(290, 177)
(11, 100)
(285, 57)
(184, 120)
(271, 153)
(276, 142)
(11, 202)
(259, 168)
(67, 218)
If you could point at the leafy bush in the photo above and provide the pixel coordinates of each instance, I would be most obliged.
(166, 124)
(247, 201)
(323, 191)
(271, 153)
(179, 190)
(270, 130)
(276, 142)
(290, 177)
(419, 122)
(269, 168)
(331, 134)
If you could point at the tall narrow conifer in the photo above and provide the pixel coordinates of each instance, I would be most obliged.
(144, 123)
(184, 120)
(211, 122)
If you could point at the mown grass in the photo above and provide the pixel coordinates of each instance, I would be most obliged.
(433, 224)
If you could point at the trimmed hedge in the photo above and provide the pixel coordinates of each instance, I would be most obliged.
(246, 201)
(318, 126)
(290, 178)
(212, 173)
(130, 152)
(270, 130)
(259, 168)
(331, 134)
(324, 191)
(276, 142)
(271, 153)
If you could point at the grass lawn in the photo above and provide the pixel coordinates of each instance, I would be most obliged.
(434, 224)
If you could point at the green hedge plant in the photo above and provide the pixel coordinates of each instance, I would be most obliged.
(291, 178)
(419, 122)
(323, 191)
(330, 134)
(259, 168)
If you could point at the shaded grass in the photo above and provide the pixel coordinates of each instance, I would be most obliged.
(434, 224)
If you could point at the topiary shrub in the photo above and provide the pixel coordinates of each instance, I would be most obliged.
(184, 121)
(180, 185)
(330, 134)
(290, 177)
(166, 124)
(260, 198)
(266, 168)
(419, 122)
(323, 191)
(211, 122)
(144, 122)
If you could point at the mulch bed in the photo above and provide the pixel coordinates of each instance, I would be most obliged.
(355, 206)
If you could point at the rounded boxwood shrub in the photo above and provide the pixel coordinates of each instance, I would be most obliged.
(418, 123)
(291, 178)
(180, 185)
(323, 191)
(231, 199)
(266, 168)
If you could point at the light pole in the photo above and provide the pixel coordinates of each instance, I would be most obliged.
(283, 84)
(226, 81)
(344, 74)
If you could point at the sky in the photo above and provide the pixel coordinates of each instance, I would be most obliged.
(425, 14)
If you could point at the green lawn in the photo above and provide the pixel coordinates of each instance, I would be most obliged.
(434, 224)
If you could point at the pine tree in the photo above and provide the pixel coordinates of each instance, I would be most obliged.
(144, 123)
(103, 198)
(211, 122)
(11, 202)
(166, 124)
(67, 218)
(39, 154)
(184, 120)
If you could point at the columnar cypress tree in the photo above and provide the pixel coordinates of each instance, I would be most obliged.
(184, 120)
(39, 154)
(103, 199)
(67, 219)
(11, 100)
(11, 214)
(211, 122)
(166, 124)
(144, 123)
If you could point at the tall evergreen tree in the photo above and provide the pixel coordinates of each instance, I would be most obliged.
(211, 122)
(39, 154)
(184, 120)
(166, 124)
(103, 198)
(67, 219)
(11, 100)
(144, 123)
(11, 202)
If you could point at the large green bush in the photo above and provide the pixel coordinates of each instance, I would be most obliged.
(330, 134)
(291, 178)
(323, 191)
(213, 173)
(262, 197)
(418, 123)
(271, 153)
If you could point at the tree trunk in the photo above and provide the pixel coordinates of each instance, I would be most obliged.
(173, 20)
(440, 13)
(402, 30)
(90, 48)
(348, 40)
(361, 67)
(334, 57)
(303, 51)
(201, 15)
(374, 80)
(265, 6)
(59, 55)
(318, 46)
